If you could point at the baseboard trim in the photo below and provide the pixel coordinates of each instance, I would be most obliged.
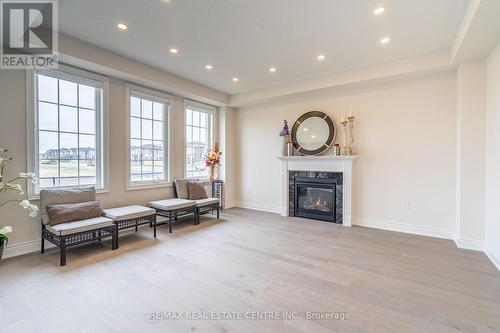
(402, 227)
(20, 249)
(259, 207)
(24, 248)
(469, 244)
(493, 259)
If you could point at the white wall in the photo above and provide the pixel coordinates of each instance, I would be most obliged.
(407, 151)
(471, 146)
(226, 120)
(493, 157)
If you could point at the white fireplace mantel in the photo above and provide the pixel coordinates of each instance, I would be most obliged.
(341, 164)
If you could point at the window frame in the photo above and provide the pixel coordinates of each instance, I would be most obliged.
(205, 108)
(80, 76)
(160, 97)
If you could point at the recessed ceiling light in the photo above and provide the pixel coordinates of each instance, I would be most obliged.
(320, 57)
(379, 11)
(272, 69)
(235, 79)
(385, 40)
(122, 26)
(209, 67)
(174, 50)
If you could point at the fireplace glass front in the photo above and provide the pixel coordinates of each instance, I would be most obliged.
(315, 198)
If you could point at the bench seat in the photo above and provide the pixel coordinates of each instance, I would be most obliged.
(206, 202)
(172, 208)
(132, 217)
(128, 212)
(70, 228)
(172, 204)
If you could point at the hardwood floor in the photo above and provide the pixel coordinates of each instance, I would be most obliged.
(252, 261)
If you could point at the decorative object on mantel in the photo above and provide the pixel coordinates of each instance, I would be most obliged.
(285, 133)
(212, 161)
(10, 186)
(313, 133)
(343, 123)
(289, 149)
(336, 149)
(348, 134)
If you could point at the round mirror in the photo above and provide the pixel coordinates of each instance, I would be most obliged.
(313, 133)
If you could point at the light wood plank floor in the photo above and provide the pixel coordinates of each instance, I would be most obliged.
(251, 261)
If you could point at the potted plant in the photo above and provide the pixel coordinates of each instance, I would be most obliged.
(212, 161)
(12, 186)
(3, 238)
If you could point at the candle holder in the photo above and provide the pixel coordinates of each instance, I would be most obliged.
(352, 135)
(345, 148)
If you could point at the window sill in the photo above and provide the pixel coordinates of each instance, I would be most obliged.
(147, 186)
(36, 197)
(201, 179)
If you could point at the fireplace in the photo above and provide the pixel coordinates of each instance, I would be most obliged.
(316, 195)
(315, 198)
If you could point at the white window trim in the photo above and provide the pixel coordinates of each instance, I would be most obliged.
(160, 97)
(102, 132)
(200, 107)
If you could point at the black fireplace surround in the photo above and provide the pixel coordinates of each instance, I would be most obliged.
(316, 195)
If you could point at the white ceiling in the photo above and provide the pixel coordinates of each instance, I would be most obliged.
(244, 38)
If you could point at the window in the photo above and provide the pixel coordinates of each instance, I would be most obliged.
(199, 131)
(148, 132)
(67, 143)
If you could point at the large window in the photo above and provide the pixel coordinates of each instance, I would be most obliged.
(148, 144)
(199, 132)
(67, 123)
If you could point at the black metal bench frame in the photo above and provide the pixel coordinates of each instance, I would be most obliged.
(136, 222)
(174, 214)
(64, 242)
(206, 209)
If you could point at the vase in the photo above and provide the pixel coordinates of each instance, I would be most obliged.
(286, 141)
(1, 248)
(213, 173)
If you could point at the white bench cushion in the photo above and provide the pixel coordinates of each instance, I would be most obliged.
(206, 202)
(171, 204)
(128, 212)
(70, 228)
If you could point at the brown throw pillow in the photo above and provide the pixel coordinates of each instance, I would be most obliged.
(196, 191)
(63, 213)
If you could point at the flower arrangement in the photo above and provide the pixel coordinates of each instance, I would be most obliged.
(213, 156)
(11, 186)
(212, 161)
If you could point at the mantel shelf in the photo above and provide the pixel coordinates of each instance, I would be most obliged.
(317, 158)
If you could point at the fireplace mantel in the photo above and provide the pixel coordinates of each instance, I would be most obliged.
(317, 158)
(341, 164)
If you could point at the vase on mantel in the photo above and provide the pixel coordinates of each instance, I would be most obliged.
(213, 172)
(286, 141)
